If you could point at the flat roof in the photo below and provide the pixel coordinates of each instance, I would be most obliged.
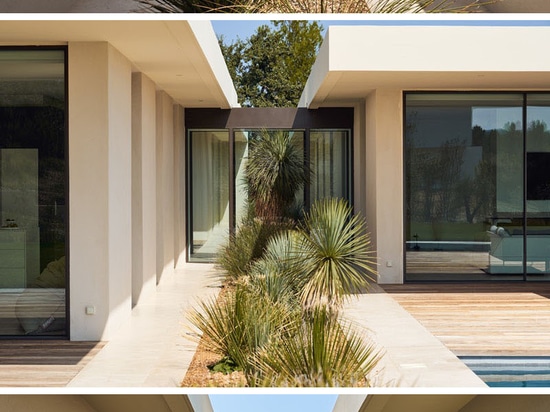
(355, 60)
(182, 57)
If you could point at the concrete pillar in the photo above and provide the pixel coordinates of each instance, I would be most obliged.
(165, 184)
(99, 189)
(144, 205)
(180, 247)
(384, 180)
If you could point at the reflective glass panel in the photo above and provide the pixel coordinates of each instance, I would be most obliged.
(209, 182)
(329, 154)
(32, 192)
(464, 186)
(538, 187)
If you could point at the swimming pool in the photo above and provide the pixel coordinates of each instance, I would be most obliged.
(511, 371)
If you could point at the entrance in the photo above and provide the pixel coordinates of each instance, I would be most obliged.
(218, 142)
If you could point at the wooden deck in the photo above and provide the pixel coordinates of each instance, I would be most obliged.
(41, 363)
(497, 319)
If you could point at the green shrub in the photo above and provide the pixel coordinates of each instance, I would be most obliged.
(323, 352)
(333, 257)
(271, 275)
(240, 324)
(245, 246)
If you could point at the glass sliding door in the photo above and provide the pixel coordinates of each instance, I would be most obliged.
(330, 154)
(218, 198)
(33, 181)
(464, 186)
(209, 202)
(537, 219)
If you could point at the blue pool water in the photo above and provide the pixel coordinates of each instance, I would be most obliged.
(511, 371)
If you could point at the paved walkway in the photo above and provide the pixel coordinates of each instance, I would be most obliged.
(413, 357)
(152, 349)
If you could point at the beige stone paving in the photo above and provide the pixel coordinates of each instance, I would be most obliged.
(413, 357)
(153, 349)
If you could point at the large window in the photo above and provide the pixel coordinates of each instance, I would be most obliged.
(209, 182)
(330, 154)
(33, 178)
(476, 181)
(218, 195)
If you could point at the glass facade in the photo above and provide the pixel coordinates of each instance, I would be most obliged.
(209, 183)
(330, 154)
(475, 181)
(218, 195)
(33, 179)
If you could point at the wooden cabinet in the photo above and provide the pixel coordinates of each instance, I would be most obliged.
(13, 271)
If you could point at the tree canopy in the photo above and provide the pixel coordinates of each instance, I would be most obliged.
(270, 68)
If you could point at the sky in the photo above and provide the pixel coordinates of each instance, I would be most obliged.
(233, 28)
(273, 403)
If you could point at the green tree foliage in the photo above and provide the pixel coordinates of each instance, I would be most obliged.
(270, 68)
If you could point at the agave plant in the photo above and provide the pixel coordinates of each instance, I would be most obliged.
(275, 171)
(313, 6)
(335, 257)
(323, 352)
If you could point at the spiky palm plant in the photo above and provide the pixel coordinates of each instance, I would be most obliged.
(323, 352)
(312, 6)
(271, 275)
(241, 324)
(275, 171)
(334, 256)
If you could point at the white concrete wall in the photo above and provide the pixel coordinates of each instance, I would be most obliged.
(200, 403)
(384, 180)
(144, 205)
(44, 403)
(165, 184)
(349, 403)
(99, 188)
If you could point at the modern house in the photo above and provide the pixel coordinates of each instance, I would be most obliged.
(451, 146)
(92, 165)
(122, 145)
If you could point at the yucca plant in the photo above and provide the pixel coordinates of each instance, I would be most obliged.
(272, 274)
(240, 325)
(324, 352)
(274, 172)
(334, 256)
(313, 6)
(245, 246)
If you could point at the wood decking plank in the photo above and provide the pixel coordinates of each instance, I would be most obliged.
(482, 319)
(43, 363)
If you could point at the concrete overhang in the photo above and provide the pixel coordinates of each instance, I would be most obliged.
(355, 60)
(182, 57)
(415, 403)
(139, 403)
